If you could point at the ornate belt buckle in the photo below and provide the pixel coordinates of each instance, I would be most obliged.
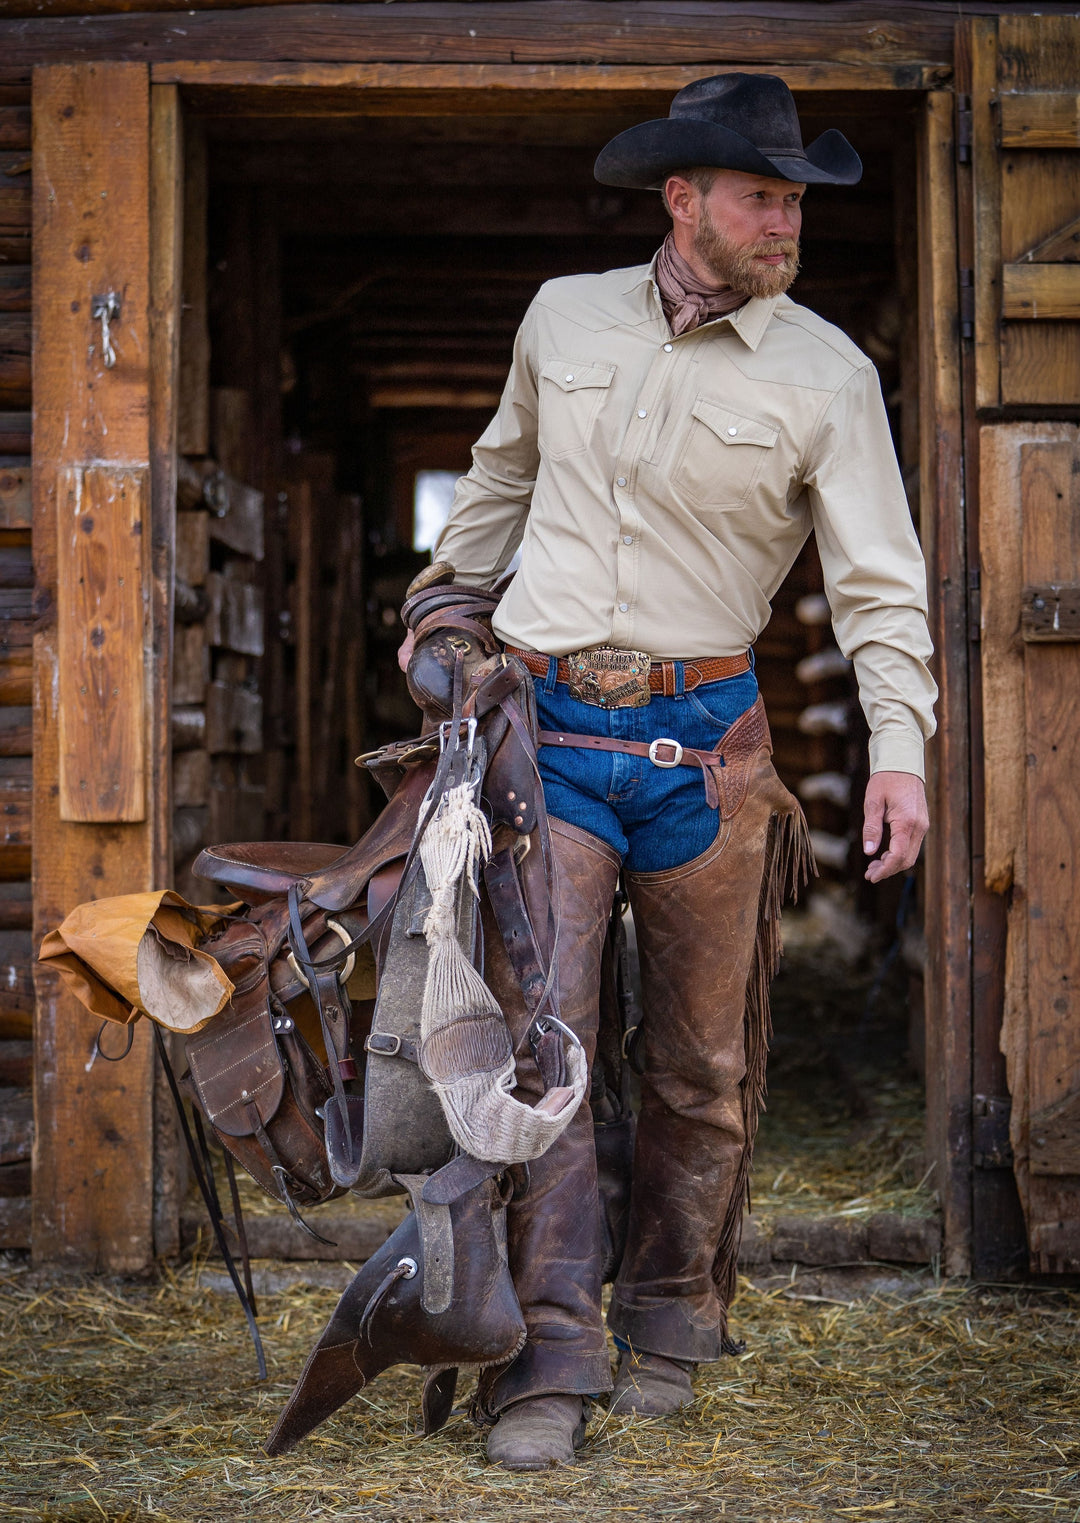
(610, 678)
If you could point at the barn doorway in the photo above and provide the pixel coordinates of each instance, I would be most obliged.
(352, 286)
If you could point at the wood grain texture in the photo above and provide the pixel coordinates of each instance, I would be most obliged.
(102, 529)
(948, 850)
(1040, 364)
(1050, 487)
(1001, 646)
(1042, 120)
(534, 31)
(93, 1145)
(986, 196)
(193, 400)
(15, 503)
(1062, 246)
(14, 359)
(166, 234)
(1036, 291)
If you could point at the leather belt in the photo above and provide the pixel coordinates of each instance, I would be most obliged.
(662, 674)
(661, 752)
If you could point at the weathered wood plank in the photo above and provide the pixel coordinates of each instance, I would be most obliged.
(16, 509)
(193, 419)
(191, 664)
(188, 727)
(1001, 646)
(166, 240)
(1061, 247)
(1051, 612)
(16, 972)
(16, 1178)
(1040, 290)
(104, 516)
(15, 288)
(16, 1126)
(1043, 120)
(234, 617)
(534, 31)
(191, 779)
(93, 1149)
(1050, 488)
(986, 197)
(15, 1224)
(14, 359)
(1040, 364)
(16, 1062)
(16, 731)
(192, 547)
(16, 797)
(948, 850)
(234, 512)
(233, 719)
(14, 127)
(16, 907)
(14, 434)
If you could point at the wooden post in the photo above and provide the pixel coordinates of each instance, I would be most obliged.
(93, 1151)
(948, 847)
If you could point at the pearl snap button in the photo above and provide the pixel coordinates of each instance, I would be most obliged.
(569, 377)
(620, 481)
(624, 607)
(667, 348)
(628, 539)
(642, 412)
(733, 430)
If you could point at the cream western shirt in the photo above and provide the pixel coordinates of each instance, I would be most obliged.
(660, 489)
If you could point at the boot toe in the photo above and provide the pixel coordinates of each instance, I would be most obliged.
(649, 1385)
(538, 1433)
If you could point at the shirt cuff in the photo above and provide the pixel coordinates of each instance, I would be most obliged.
(898, 751)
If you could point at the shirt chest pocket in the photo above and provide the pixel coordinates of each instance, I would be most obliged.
(571, 396)
(721, 456)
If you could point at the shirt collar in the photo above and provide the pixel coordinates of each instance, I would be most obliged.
(749, 321)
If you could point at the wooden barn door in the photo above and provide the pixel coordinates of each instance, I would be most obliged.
(1025, 322)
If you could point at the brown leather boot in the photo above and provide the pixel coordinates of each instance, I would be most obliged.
(553, 1228)
(649, 1385)
(708, 935)
(538, 1433)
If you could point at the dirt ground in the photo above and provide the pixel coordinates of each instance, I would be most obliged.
(126, 1400)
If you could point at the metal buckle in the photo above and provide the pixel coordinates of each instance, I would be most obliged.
(610, 678)
(386, 1044)
(663, 740)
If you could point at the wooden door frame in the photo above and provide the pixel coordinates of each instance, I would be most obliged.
(397, 89)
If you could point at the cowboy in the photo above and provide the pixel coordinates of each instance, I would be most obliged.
(668, 437)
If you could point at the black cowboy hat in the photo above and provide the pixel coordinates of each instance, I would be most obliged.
(728, 121)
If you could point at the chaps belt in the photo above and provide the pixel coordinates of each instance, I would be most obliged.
(610, 678)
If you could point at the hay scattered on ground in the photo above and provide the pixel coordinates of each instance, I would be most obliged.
(128, 1401)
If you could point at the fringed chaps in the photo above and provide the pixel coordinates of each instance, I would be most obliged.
(709, 938)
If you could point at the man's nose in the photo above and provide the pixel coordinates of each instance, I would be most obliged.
(783, 222)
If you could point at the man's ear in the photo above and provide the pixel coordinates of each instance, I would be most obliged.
(681, 197)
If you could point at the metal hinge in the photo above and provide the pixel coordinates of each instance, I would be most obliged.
(967, 303)
(991, 1147)
(963, 129)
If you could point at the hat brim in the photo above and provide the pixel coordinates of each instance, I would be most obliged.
(643, 156)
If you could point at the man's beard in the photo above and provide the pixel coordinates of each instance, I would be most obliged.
(733, 264)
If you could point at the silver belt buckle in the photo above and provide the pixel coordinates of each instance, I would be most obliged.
(665, 740)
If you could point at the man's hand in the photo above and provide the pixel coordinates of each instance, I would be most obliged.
(896, 800)
(405, 650)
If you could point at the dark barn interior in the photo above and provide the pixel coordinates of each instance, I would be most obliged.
(356, 282)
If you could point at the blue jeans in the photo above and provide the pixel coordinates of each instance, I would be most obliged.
(654, 817)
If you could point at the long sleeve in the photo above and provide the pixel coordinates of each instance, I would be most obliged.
(491, 502)
(875, 577)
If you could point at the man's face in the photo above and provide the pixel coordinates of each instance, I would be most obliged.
(744, 230)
